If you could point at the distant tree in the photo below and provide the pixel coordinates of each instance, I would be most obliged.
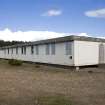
(9, 43)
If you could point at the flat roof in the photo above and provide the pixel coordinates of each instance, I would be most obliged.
(58, 40)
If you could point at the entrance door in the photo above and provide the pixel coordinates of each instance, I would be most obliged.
(101, 54)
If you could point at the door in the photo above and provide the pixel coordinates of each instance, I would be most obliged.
(101, 54)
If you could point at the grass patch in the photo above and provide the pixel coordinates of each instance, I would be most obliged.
(37, 65)
(90, 71)
(15, 62)
(53, 100)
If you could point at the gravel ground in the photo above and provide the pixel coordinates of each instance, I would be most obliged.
(24, 84)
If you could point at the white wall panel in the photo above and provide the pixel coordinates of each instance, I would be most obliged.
(86, 53)
(60, 56)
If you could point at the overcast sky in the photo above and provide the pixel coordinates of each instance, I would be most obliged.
(30, 20)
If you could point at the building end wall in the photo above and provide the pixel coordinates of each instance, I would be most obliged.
(86, 53)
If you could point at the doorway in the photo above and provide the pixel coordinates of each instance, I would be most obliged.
(101, 53)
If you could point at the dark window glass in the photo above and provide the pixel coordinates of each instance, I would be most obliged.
(32, 49)
(16, 50)
(53, 49)
(12, 50)
(68, 48)
(8, 50)
(37, 49)
(47, 49)
(24, 49)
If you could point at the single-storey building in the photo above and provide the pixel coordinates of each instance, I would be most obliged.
(70, 50)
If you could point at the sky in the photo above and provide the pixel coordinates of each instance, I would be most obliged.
(30, 20)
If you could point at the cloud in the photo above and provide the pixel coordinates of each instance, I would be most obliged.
(83, 34)
(52, 12)
(100, 13)
(9, 35)
(101, 37)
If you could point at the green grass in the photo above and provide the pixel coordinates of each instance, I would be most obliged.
(53, 100)
(15, 62)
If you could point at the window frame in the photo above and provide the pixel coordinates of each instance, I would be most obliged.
(37, 49)
(32, 49)
(4, 51)
(47, 49)
(11, 50)
(16, 50)
(8, 50)
(68, 48)
(53, 49)
(24, 50)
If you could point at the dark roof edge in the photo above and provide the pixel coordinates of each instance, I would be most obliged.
(58, 40)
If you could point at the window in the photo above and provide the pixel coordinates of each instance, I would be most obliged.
(16, 50)
(32, 49)
(8, 50)
(68, 48)
(23, 50)
(12, 51)
(4, 51)
(47, 49)
(53, 49)
(37, 49)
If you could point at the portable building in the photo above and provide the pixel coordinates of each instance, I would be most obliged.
(70, 50)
